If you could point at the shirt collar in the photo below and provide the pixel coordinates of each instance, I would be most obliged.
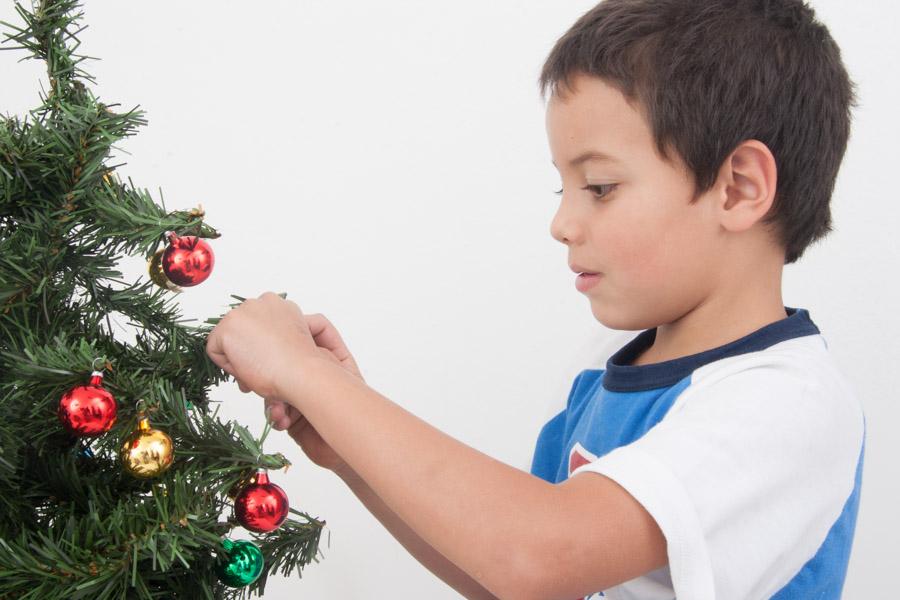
(622, 376)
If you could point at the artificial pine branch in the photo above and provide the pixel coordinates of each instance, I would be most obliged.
(73, 524)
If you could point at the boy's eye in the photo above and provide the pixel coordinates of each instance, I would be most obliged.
(598, 190)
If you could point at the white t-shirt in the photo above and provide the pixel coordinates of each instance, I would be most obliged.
(749, 457)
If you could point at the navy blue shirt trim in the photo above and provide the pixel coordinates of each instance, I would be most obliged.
(622, 376)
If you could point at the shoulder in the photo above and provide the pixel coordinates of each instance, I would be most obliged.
(797, 368)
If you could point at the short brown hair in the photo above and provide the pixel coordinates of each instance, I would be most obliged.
(709, 74)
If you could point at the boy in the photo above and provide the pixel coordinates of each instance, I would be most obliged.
(719, 453)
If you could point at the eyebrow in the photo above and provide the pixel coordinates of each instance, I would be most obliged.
(590, 155)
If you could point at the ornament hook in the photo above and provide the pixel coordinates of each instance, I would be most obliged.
(141, 405)
(94, 363)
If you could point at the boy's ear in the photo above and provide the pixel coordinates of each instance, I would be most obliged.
(748, 179)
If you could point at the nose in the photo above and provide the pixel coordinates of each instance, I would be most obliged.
(566, 224)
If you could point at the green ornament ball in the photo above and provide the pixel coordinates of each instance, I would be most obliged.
(242, 564)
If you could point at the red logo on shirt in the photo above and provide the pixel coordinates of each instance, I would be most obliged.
(579, 456)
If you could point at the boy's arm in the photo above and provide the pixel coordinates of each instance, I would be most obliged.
(433, 560)
(516, 534)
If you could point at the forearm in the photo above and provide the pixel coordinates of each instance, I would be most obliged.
(493, 521)
(430, 558)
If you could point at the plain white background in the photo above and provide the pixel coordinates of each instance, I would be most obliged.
(386, 164)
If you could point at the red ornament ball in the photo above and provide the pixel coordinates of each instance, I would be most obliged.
(188, 260)
(261, 506)
(88, 410)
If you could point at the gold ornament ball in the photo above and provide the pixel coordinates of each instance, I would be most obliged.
(147, 452)
(157, 275)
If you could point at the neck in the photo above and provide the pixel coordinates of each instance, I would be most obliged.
(718, 319)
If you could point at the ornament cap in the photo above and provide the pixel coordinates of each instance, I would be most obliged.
(97, 378)
(262, 476)
(144, 423)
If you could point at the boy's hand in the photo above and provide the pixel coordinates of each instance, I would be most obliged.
(284, 416)
(261, 342)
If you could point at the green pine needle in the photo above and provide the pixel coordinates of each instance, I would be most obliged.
(73, 524)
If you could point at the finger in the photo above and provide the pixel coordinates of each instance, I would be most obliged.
(276, 298)
(292, 414)
(280, 414)
(326, 335)
(243, 387)
(215, 345)
(272, 419)
(275, 413)
(215, 349)
(270, 407)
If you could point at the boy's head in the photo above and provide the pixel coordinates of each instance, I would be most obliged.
(727, 120)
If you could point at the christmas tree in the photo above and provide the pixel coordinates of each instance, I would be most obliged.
(117, 479)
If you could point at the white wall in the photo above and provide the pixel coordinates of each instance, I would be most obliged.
(386, 164)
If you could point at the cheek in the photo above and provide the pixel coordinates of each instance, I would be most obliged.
(646, 267)
(656, 253)
(688, 259)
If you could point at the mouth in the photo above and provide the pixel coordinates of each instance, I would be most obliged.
(579, 271)
(585, 281)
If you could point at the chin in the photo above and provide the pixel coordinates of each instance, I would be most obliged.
(608, 318)
(618, 320)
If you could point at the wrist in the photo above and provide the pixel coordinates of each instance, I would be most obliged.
(295, 384)
(304, 379)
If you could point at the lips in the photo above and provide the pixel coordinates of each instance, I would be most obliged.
(585, 281)
(582, 270)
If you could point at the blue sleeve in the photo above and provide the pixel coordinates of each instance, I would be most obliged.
(551, 440)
